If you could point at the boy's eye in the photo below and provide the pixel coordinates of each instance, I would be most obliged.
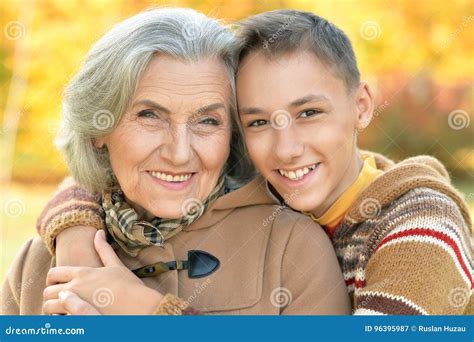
(257, 123)
(310, 112)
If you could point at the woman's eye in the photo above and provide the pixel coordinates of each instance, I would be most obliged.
(210, 121)
(257, 123)
(147, 114)
(310, 112)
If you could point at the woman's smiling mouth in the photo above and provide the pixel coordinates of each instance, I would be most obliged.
(172, 181)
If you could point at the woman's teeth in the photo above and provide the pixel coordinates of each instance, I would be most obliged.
(297, 174)
(170, 178)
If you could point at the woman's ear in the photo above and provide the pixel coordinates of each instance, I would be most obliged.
(364, 106)
(99, 142)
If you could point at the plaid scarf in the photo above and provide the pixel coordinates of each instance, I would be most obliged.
(132, 235)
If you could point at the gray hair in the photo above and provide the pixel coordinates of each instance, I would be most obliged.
(98, 95)
(277, 32)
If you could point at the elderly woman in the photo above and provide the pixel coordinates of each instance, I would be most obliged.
(150, 124)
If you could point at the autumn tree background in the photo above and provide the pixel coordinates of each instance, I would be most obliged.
(417, 55)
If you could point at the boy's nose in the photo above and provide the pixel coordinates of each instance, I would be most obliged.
(287, 145)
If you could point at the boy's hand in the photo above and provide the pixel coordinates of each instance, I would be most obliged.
(75, 247)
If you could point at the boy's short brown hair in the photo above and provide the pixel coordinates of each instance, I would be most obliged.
(282, 31)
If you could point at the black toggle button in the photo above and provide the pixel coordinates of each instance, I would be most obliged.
(199, 264)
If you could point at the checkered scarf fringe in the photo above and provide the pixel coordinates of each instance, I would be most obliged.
(133, 234)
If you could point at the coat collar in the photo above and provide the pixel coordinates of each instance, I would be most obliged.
(256, 192)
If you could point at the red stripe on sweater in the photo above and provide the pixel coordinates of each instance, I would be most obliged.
(357, 283)
(433, 233)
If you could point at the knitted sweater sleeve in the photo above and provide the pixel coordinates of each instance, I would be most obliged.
(70, 206)
(73, 206)
(423, 265)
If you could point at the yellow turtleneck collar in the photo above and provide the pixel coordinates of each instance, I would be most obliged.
(333, 216)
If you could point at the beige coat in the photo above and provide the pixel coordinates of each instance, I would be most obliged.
(273, 261)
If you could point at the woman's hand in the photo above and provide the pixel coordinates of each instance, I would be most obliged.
(69, 303)
(111, 290)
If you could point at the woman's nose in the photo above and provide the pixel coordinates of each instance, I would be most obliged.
(178, 149)
(287, 145)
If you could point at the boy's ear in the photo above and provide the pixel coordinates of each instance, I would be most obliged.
(364, 102)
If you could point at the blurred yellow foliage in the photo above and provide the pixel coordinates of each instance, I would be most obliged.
(390, 38)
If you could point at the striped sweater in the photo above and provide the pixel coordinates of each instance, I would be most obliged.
(404, 246)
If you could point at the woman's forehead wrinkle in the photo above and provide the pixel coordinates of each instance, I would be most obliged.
(190, 80)
(165, 95)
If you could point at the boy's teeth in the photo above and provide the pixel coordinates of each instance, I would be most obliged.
(298, 174)
(170, 178)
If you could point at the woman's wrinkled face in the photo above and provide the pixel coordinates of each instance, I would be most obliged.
(172, 143)
(300, 121)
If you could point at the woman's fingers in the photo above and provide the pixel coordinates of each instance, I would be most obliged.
(54, 307)
(74, 305)
(52, 291)
(63, 274)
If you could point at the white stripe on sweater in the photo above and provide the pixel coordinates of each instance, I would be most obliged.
(393, 297)
(368, 312)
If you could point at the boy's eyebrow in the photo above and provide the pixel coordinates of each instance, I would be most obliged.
(296, 103)
(153, 104)
(308, 98)
(251, 110)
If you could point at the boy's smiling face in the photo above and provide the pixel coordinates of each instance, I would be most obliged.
(300, 121)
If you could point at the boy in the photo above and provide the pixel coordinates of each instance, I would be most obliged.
(401, 231)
